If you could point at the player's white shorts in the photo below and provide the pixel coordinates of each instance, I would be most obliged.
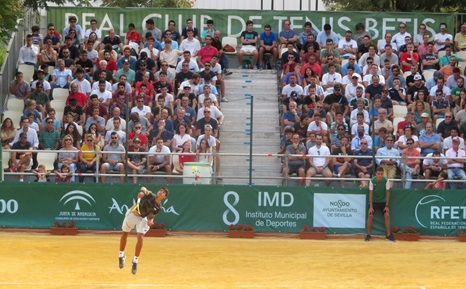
(249, 49)
(132, 221)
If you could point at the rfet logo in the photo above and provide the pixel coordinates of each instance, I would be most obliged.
(433, 211)
(77, 196)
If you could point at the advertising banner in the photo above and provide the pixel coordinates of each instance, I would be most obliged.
(215, 207)
(233, 22)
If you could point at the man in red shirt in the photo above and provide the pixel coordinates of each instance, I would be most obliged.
(207, 52)
(80, 97)
(409, 57)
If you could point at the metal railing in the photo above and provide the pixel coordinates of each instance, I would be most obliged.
(286, 180)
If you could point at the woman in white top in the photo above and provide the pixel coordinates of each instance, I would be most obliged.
(181, 136)
(204, 152)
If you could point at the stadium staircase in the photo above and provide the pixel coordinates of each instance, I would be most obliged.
(243, 88)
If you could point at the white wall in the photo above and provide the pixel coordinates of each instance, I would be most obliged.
(306, 5)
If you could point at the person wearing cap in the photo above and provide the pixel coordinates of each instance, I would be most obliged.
(456, 159)
(413, 90)
(21, 161)
(352, 87)
(421, 127)
(337, 97)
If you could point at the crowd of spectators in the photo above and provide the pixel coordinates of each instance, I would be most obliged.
(401, 99)
(160, 91)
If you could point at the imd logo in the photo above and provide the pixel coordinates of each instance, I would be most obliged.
(77, 196)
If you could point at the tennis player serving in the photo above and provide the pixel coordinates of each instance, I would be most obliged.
(140, 217)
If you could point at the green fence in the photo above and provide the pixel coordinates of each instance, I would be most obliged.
(215, 207)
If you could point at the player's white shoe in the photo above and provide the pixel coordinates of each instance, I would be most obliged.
(134, 268)
(121, 262)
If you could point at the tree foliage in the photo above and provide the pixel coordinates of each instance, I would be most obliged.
(149, 3)
(397, 5)
(11, 11)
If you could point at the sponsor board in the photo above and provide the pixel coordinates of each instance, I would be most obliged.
(340, 210)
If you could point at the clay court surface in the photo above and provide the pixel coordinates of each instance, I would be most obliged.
(43, 261)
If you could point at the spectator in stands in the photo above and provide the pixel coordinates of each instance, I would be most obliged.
(364, 47)
(447, 142)
(160, 161)
(268, 45)
(443, 38)
(455, 157)
(356, 116)
(447, 71)
(433, 167)
(360, 33)
(331, 79)
(440, 105)
(318, 127)
(113, 158)
(69, 159)
(342, 160)
(285, 56)
(460, 38)
(72, 130)
(162, 131)
(73, 26)
(49, 137)
(411, 163)
(409, 58)
(41, 98)
(93, 29)
(53, 36)
(190, 43)
(61, 77)
(429, 141)
(248, 40)
(358, 95)
(206, 53)
(454, 80)
(189, 25)
(318, 161)
(303, 37)
(360, 123)
(326, 34)
(412, 93)
(114, 40)
(8, 132)
(88, 156)
(292, 91)
(337, 97)
(291, 116)
(347, 46)
(387, 158)
(21, 161)
(97, 119)
(119, 129)
(363, 167)
(136, 162)
(28, 53)
(399, 38)
(296, 164)
(375, 88)
(387, 41)
(76, 111)
(288, 35)
(443, 128)
(20, 88)
(328, 51)
(371, 52)
(445, 60)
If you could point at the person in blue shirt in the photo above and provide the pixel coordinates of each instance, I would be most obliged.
(268, 44)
